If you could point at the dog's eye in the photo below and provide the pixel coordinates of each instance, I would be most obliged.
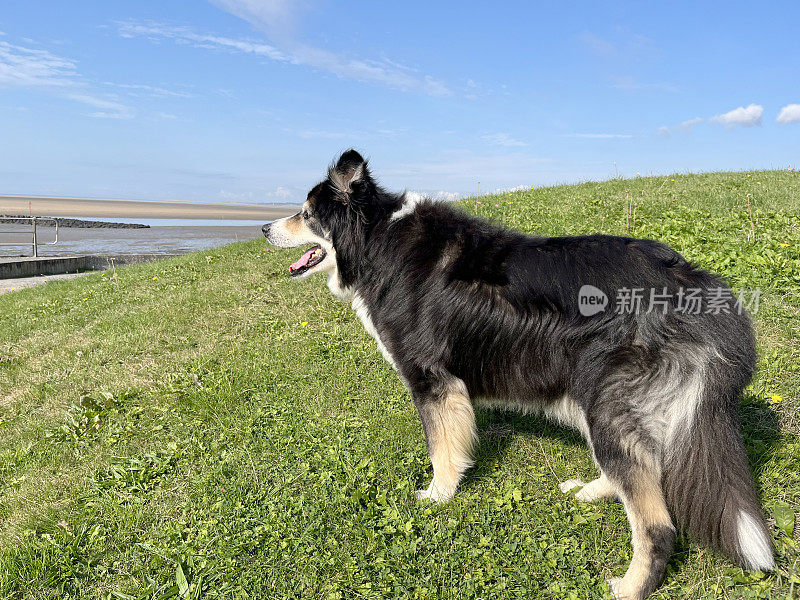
(305, 214)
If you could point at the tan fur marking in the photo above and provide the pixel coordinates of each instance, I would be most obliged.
(453, 434)
(651, 506)
(294, 225)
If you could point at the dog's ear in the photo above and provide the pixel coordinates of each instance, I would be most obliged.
(348, 172)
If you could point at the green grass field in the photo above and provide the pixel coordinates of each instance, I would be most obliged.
(202, 427)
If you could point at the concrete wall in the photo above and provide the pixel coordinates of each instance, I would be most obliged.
(55, 265)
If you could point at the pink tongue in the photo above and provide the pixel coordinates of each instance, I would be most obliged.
(303, 260)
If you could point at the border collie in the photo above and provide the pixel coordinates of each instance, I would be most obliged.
(469, 313)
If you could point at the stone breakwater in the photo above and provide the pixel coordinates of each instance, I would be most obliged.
(77, 223)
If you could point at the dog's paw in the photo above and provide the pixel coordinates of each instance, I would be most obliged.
(586, 495)
(599, 489)
(421, 495)
(593, 493)
(613, 584)
(432, 494)
(570, 484)
(619, 590)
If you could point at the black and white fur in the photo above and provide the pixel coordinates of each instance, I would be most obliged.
(470, 313)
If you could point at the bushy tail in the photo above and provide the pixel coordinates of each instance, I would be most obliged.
(709, 488)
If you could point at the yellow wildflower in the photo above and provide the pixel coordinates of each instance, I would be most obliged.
(775, 399)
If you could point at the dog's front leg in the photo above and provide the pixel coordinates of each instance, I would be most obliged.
(448, 421)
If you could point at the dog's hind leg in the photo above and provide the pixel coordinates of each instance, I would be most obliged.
(653, 536)
(448, 421)
(632, 468)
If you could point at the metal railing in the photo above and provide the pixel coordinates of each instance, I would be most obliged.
(34, 222)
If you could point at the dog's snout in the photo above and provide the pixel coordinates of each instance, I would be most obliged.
(265, 229)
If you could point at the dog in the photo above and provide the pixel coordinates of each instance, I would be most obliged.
(472, 314)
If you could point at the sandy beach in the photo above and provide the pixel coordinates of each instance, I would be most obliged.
(140, 209)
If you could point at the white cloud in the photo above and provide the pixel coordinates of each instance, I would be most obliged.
(26, 67)
(600, 136)
(353, 135)
(107, 109)
(740, 117)
(442, 195)
(39, 69)
(261, 13)
(689, 124)
(310, 134)
(460, 171)
(516, 188)
(281, 193)
(224, 194)
(383, 72)
(185, 35)
(596, 44)
(137, 89)
(625, 46)
(789, 114)
(445, 195)
(503, 139)
(631, 84)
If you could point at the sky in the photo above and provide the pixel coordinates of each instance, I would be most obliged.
(250, 100)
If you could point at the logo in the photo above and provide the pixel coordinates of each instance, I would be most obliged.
(591, 300)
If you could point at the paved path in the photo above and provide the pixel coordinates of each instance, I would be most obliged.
(10, 285)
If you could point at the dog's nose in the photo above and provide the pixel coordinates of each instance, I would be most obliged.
(265, 229)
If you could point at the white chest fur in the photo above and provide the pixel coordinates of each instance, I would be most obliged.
(343, 293)
(363, 313)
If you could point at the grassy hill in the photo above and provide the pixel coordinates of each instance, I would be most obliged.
(202, 427)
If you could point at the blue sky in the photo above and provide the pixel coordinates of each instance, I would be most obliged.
(248, 100)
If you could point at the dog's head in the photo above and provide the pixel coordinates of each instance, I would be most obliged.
(336, 219)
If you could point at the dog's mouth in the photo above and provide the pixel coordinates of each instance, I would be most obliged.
(312, 257)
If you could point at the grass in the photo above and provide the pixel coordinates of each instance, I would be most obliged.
(201, 427)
